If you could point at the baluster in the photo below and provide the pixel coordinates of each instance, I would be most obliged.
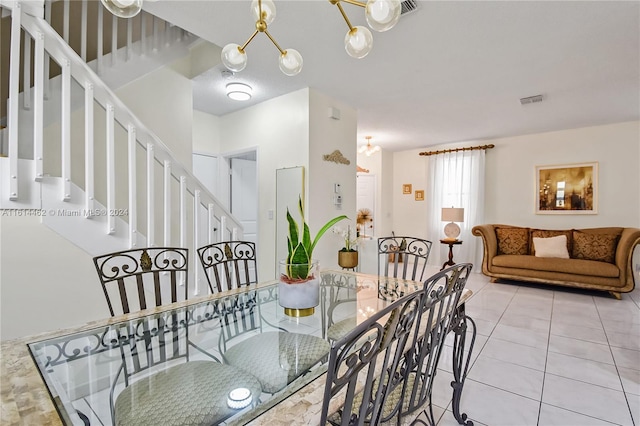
(183, 215)
(223, 227)
(150, 196)
(38, 106)
(83, 31)
(129, 38)
(211, 227)
(100, 36)
(26, 72)
(47, 61)
(65, 21)
(88, 149)
(111, 169)
(133, 184)
(143, 33)
(114, 40)
(196, 239)
(167, 203)
(65, 125)
(234, 233)
(14, 80)
(155, 33)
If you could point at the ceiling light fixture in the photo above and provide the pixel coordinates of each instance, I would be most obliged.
(367, 149)
(239, 91)
(123, 8)
(381, 15)
(234, 56)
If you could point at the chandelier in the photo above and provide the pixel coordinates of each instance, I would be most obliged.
(367, 149)
(381, 15)
(234, 56)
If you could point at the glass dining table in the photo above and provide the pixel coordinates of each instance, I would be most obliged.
(82, 369)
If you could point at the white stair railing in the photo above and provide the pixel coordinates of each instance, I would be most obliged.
(124, 178)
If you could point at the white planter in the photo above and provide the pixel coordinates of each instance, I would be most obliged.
(299, 296)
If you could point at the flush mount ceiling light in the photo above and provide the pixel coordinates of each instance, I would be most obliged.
(381, 15)
(367, 149)
(123, 8)
(234, 56)
(239, 91)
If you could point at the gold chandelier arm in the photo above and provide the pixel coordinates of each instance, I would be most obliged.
(249, 41)
(282, 52)
(344, 15)
(355, 2)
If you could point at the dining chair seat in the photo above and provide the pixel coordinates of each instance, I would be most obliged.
(341, 328)
(192, 393)
(283, 357)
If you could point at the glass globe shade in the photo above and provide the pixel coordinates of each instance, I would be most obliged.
(382, 15)
(291, 62)
(358, 42)
(233, 58)
(123, 8)
(268, 11)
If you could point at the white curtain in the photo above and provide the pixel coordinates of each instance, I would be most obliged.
(456, 179)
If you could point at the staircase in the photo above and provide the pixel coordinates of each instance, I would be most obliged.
(76, 156)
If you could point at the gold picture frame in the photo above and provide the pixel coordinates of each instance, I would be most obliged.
(567, 189)
(406, 188)
(419, 194)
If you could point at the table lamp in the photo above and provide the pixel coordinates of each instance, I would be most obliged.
(452, 215)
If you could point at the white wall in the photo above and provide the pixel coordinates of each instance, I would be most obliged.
(46, 282)
(206, 133)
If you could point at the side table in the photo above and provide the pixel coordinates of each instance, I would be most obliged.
(450, 243)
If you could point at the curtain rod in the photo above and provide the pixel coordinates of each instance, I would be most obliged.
(469, 148)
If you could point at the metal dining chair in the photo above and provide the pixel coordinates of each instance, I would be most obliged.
(247, 341)
(163, 386)
(364, 382)
(229, 264)
(143, 278)
(403, 257)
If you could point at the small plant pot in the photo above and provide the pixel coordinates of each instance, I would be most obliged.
(299, 295)
(348, 259)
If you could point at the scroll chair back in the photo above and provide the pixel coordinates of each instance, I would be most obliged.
(143, 278)
(363, 381)
(441, 313)
(403, 257)
(169, 387)
(229, 264)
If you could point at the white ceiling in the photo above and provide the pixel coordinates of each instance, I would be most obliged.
(450, 71)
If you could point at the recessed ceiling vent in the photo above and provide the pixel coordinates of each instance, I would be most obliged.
(531, 99)
(408, 6)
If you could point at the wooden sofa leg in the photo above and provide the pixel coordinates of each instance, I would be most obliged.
(616, 294)
(493, 280)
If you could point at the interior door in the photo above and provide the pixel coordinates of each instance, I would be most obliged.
(244, 196)
(366, 199)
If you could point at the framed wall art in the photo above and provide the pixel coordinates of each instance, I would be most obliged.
(406, 188)
(419, 194)
(567, 189)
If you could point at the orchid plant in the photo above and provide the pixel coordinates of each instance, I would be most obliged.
(350, 241)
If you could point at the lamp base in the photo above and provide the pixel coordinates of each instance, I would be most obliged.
(452, 231)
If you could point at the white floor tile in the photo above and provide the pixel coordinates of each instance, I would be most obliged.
(554, 416)
(484, 328)
(624, 340)
(596, 373)
(509, 377)
(526, 310)
(595, 335)
(591, 400)
(620, 326)
(630, 380)
(447, 419)
(496, 407)
(536, 339)
(518, 319)
(584, 319)
(478, 312)
(580, 349)
(627, 358)
(442, 390)
(634, 405)
(515, 353)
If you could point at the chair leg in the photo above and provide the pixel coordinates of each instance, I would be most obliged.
(493, 280)
(616, 294)
(460, 363)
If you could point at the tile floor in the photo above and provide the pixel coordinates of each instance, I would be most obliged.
(548, 356)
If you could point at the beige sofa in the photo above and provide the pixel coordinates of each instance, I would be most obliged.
(599, 258)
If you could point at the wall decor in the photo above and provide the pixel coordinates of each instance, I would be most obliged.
(336, 157)
(567, 189)
(406, 188)
(419, 194)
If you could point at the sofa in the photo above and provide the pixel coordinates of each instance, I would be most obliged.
(593, 258)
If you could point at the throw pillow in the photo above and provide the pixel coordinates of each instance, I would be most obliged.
(547, 233)
(513, 240)
(600, 247)
(551, 247)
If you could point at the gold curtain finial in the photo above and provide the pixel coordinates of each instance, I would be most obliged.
(469, 148)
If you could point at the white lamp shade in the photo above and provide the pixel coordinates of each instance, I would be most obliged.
(123, 8)
(382, 15)
(358, 42)
(233, 58)
(268, 11)
(451, 214)
(291, 62)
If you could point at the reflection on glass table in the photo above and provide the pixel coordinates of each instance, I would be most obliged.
(211, 345)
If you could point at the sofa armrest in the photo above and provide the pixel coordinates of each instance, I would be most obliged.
(629, 239)
(490, 244)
